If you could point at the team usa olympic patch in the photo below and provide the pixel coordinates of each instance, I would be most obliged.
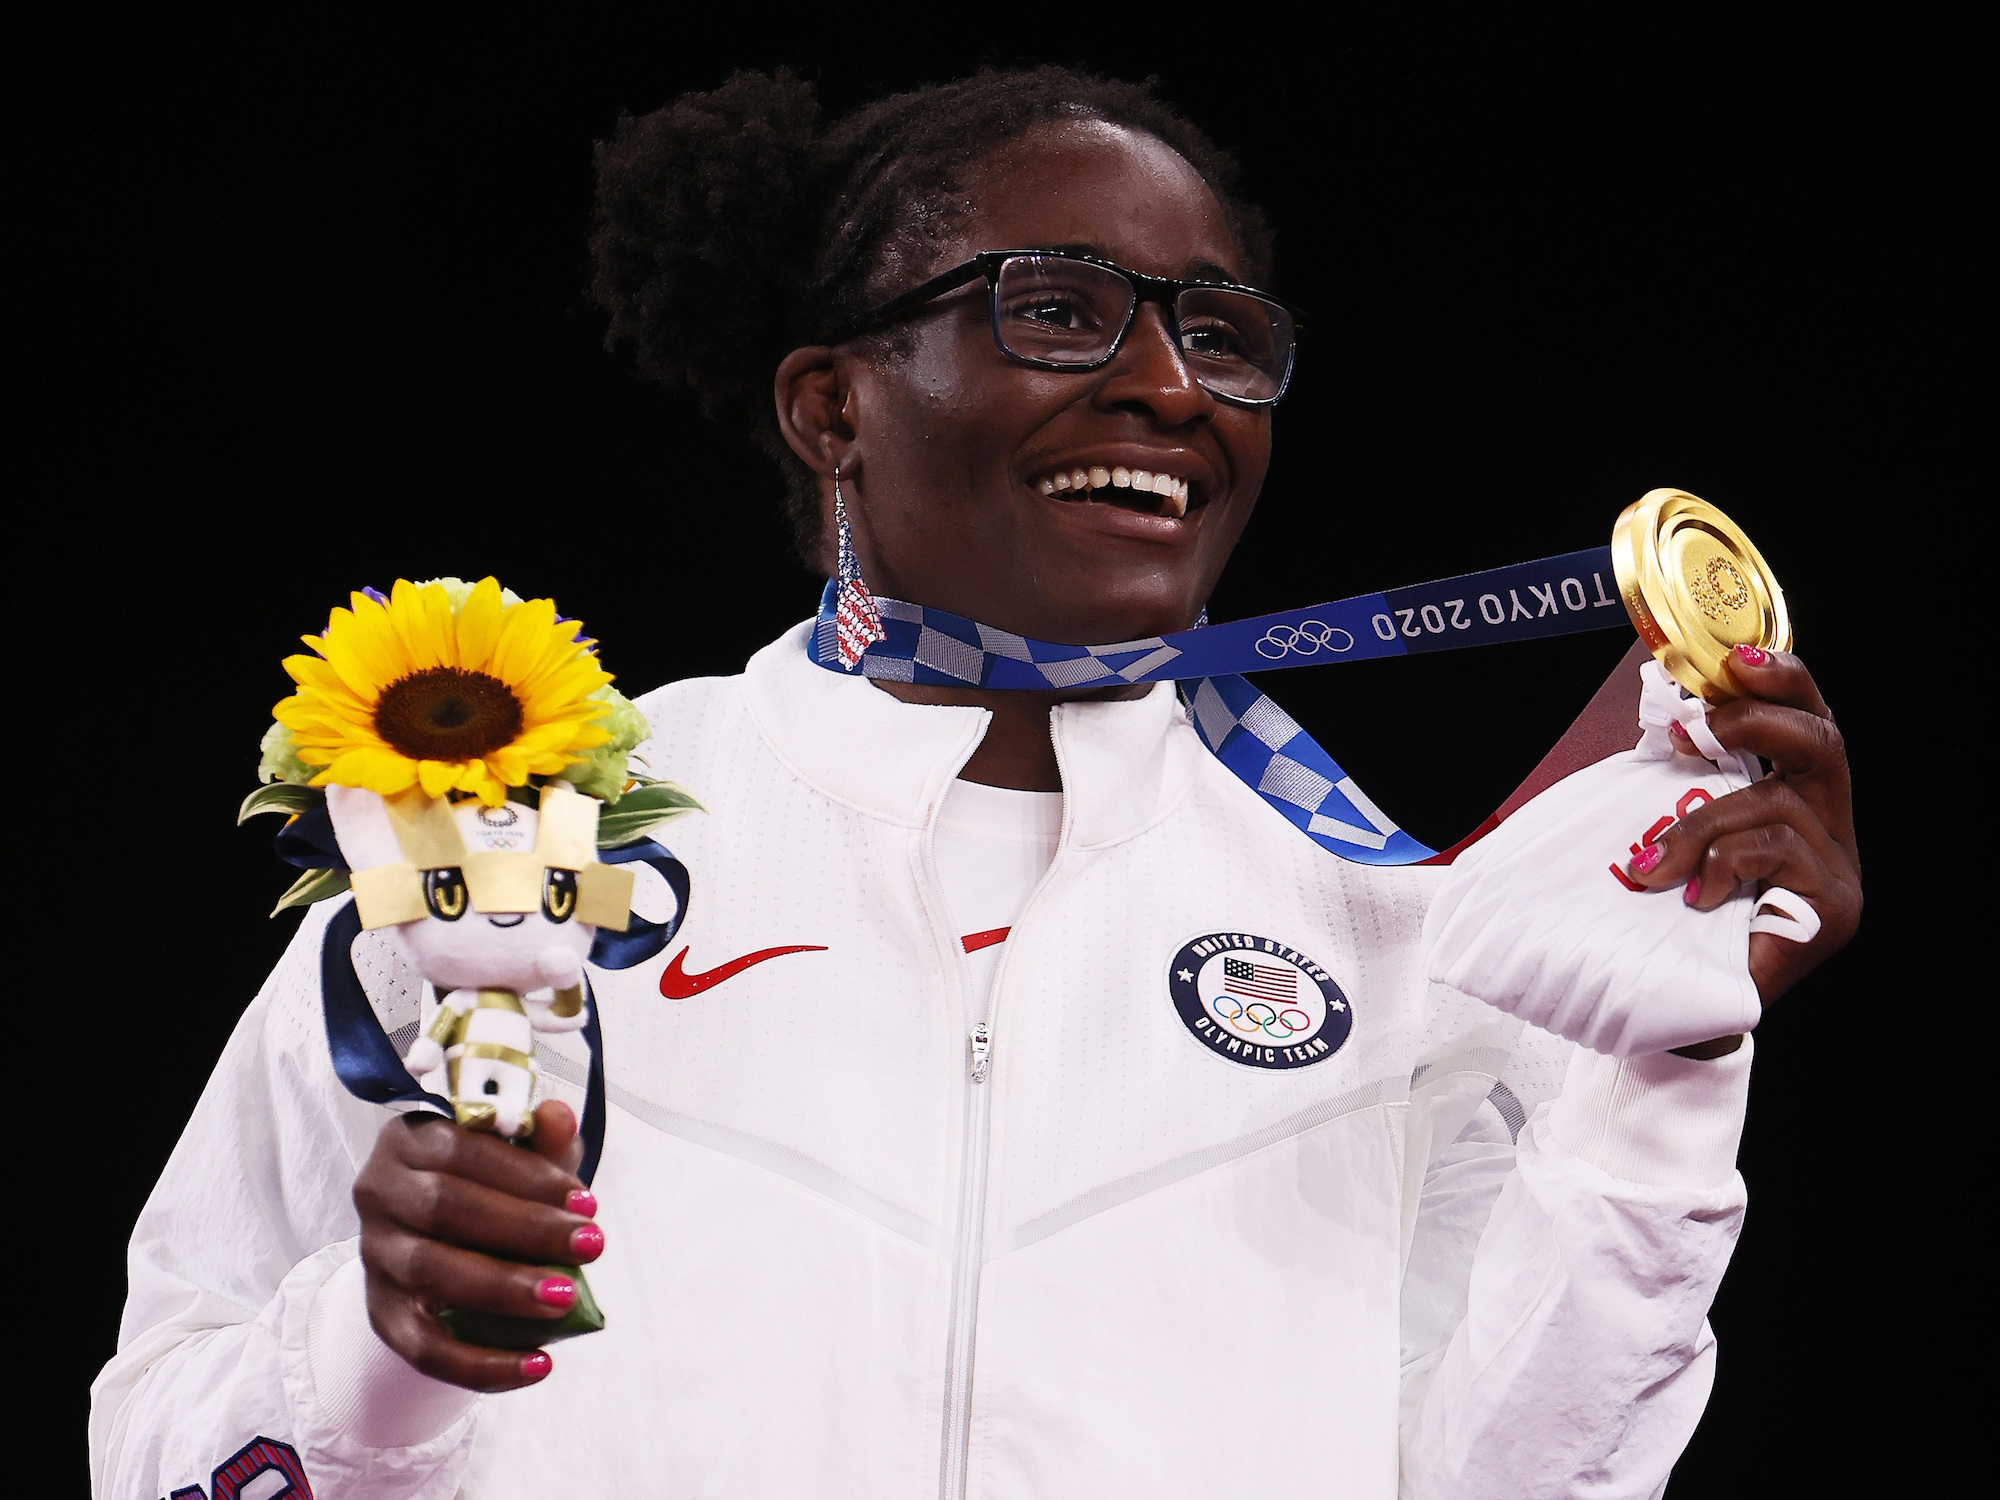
(1257, 1001)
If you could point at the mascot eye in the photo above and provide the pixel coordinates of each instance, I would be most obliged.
(559, 895)
(444, 893)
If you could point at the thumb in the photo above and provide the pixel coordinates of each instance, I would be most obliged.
(556, 1136)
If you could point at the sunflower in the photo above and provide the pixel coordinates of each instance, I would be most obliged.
(412, 692)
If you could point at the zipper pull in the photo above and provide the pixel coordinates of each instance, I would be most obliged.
(982, 1048)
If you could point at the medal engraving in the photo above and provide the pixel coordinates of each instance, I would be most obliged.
(1695, 587)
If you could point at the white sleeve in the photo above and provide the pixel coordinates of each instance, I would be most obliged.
(1581, 1358)
(252, 1217)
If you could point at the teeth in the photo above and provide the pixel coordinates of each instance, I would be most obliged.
(1173, 492)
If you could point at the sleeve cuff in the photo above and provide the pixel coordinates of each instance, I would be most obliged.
(365, 1389)
(1662, 1120)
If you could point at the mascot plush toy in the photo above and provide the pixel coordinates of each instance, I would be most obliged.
(456, 757)
(497, 908)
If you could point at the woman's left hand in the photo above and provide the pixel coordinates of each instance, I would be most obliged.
(1795, 828)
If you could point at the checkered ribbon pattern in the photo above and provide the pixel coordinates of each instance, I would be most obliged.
(1260, 743)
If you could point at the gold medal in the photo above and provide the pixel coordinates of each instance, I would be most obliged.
(1695, 588)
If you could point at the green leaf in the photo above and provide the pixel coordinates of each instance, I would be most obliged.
(314, 885)
(641, 810)
(513, 1331)
(280, 796)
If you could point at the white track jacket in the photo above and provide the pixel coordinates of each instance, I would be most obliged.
(1402, 1245)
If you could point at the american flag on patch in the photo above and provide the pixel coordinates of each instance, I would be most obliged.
(1260, 981)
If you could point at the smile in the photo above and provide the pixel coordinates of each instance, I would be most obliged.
(1161, 494)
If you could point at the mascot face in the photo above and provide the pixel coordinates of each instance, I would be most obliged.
(479, 897)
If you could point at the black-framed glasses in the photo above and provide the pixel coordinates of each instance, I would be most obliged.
(1063, 310)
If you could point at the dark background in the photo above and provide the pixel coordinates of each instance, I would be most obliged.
(305, 302)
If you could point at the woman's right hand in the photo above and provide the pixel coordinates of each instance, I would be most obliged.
(439, 1206)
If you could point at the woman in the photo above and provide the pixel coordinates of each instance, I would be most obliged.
(916, 1182)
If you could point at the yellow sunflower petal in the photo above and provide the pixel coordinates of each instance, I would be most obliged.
(551, 764)
(579, 737)
(508, 764)
(575, 680)
(297, 667)
(315, 676)
(554, 646)
(381, 771)
(478, 625)
(559, 736)
(439, 619)
(313, 716)
(364, 651)
(568, 700)
(334, 702)
(563, 724)
(524, 631)
(476, 779)
(437, 777)
(426, 638)
(374, 637)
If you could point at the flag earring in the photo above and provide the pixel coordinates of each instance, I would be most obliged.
(858, 624)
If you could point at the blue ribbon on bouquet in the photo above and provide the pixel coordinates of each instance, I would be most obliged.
(1259, 742)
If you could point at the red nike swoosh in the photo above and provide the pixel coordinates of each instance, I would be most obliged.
(677, 984)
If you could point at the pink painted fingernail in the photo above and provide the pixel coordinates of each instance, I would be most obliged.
(536, 1366)
(556, 1291)
(581, 1202)
(1693, 892)
(1753, 656)
(586, 1243)
(1646, 858)
(1679, 731)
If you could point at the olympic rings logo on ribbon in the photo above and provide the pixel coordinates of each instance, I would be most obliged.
(1281, 641)
(1259, 1015)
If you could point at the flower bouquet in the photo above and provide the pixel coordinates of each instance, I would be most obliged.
(456, 757)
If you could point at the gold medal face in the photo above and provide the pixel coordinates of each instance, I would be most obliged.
(1695, 587)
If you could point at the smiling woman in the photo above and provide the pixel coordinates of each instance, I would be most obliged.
(1092, 1106)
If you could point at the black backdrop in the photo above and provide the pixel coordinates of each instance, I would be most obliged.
(310, 298)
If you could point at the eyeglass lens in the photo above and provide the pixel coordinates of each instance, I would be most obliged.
(1058, 311)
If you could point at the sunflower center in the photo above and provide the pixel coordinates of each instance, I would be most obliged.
(443, 713)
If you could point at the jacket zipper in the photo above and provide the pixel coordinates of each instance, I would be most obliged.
(970, 1258)
(966, 1267)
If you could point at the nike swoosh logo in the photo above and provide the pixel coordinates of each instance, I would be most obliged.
(677, 984)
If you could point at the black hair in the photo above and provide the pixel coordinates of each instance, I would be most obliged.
(736, 225)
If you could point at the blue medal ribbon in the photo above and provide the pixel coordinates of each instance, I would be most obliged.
(1259, 742)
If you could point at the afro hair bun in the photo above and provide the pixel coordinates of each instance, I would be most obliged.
(702, 236)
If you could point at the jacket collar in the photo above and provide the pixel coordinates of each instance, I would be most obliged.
(1125, 764)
